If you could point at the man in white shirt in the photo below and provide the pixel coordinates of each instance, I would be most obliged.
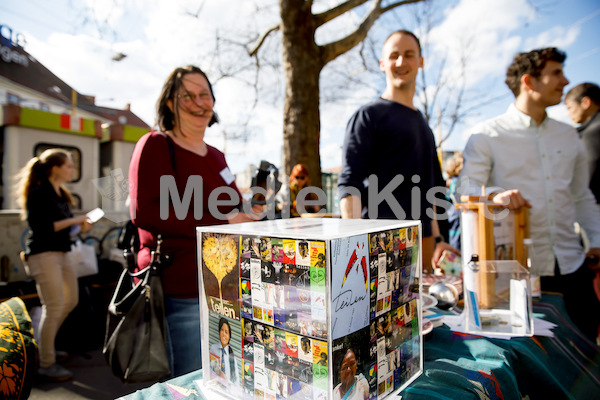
(540, 163)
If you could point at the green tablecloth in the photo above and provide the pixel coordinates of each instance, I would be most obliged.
(462, 366)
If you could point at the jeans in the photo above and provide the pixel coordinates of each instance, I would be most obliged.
(183, 335)
(58, 289)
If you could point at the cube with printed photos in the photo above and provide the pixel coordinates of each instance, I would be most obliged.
(315, 308)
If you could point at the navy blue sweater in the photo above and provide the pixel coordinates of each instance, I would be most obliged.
(387, 139)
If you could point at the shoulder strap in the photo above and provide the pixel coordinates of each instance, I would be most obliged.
(171, 149)
(129, 239)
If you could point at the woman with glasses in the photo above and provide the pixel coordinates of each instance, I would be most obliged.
(166, 165)
(299, 180)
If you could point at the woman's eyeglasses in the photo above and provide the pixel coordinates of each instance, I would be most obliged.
(300, 177)
(189, 98)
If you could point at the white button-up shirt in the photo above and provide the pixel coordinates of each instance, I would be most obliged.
(547, 164)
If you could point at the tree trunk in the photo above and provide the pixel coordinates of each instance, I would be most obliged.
(302, 66)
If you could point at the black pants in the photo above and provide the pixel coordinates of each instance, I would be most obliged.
(580, 298)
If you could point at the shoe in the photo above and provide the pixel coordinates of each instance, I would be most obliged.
(61, 356)
(55, 373)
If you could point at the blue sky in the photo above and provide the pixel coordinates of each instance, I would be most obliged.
(158, 35)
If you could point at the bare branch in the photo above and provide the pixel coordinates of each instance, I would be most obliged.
(195, 14)
(332, 50)
(326, 16)
(261, 40)
(398, 4)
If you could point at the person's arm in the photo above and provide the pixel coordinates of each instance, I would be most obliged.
(351, 207)
(511, 199)
(357, 148)
(592, 147)
(439, 244)
(254, 214)
(45, 217)
(67, 222)
(476, 173)
(477, 166)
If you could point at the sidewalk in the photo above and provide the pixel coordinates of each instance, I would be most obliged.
(92, 379)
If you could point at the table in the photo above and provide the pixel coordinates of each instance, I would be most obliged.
(463, 366)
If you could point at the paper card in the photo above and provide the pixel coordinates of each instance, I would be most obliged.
(350, 290)
(95, 215)
(473, 304)
(519, 299)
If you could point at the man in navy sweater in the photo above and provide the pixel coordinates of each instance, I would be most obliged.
(390, 164)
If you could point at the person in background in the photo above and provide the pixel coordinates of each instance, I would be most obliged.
(536, 162)
(299, 179)
(583, 103)
(178, 151)
(453, 167)
(47, 203)
(389, 139)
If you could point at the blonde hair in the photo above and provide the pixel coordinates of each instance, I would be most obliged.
(38, 170)
(454, 165)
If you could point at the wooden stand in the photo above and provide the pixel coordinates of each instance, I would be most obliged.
(483, 241)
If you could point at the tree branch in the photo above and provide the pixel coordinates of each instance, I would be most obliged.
(332, 50)
(326, 16)
(398, 4)
(261, 40)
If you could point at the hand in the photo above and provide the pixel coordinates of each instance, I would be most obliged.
(239, 218)
(86, 227)
(511, 199)
(255, 214)
(439, 249)
(80, 220)
(593, 258)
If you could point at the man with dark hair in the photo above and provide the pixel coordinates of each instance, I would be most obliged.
(389, 160)
(226, 367)
(583, 103)
(542, 163)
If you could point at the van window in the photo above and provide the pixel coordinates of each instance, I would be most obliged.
(12, 98)
(74, 151)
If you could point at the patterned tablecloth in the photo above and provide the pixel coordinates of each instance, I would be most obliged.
(462, 366)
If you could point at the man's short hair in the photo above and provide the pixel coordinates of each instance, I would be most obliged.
(404, 32)
(531, 63)
(582, 90)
